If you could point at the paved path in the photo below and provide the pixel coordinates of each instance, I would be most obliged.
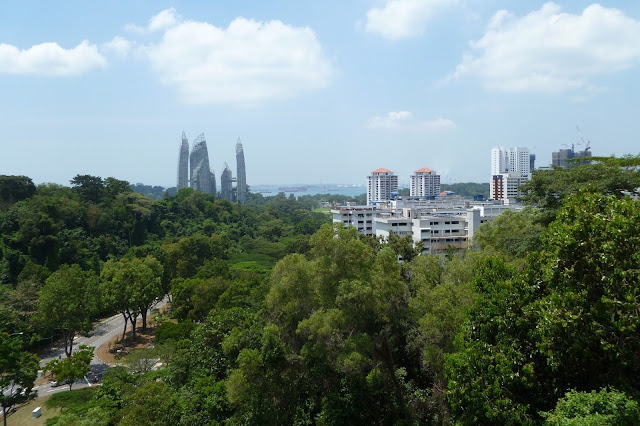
(102, 332)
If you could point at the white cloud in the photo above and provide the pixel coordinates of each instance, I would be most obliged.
(404, 18)
(161, 21)
(118, 45)
(245, 63)
(406, 121)
(551, 51)
(165, 19)
(50, 59)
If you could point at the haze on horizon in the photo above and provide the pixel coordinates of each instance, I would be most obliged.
(319, 92)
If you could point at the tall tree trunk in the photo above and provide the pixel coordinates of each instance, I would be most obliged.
(144, 318)
(4, 414)
(388, 360)
(71, 336)
(67, 336)
(133, 326)
(124, 332)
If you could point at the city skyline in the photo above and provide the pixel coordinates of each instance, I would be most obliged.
(322, 92)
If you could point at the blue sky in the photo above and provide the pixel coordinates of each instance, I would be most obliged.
(319, 92)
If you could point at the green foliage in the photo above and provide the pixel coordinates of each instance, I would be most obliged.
(15, 188)
(591, 273)
(154, 192)
(70, 400)
(512, 235)
(90, 188)
(152, 403)
(467, 189)
(601, 408)
(609, 176)
(68, 302)
(340, 344)
(74, 367)
(130, 286)
(569, 321)
(18, 372)
(172, 331)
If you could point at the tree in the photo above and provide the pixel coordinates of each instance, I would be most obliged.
(72, 368)
(68, 302)
(606, 175)
(90, 188)
(511, 235)
(130, 286)
(15, 188)
(152, 403)
(18, 372)
(568, 321)
(604, 407)
(334, 347)
(114, 187)
(148, 287)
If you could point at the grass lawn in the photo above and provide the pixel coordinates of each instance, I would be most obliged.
(22, 417)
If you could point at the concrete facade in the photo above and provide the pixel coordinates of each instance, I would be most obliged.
(241, 174)
(183, 163)
(510, 168)
(425, 182)
(380, 184)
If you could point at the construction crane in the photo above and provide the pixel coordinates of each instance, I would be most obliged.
(587, 146)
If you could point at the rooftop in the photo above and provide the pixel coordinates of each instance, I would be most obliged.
(425, 170)
(382, 170)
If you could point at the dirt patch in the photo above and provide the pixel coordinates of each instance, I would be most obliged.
(108, 353)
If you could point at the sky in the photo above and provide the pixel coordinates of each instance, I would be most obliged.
(318, 91)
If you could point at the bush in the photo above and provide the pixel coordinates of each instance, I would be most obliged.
(605, 407)
(172, 331)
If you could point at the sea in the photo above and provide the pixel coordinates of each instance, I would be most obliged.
(309, 189)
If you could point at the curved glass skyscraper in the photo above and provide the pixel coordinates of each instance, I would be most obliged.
(241, 173)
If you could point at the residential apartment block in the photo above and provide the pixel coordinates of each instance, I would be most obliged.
(437, 223)
(510, 168)
(380, 184)
(425, 183)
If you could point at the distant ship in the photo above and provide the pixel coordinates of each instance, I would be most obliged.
(293, 189)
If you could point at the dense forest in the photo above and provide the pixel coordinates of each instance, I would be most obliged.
(279, 317)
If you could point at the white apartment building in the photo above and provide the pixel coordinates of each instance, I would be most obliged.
(510, 168)
(437, 223)
(425, 182)
(380, 184)
(360, 217)
(435, 231)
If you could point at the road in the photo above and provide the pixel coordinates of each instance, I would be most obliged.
(102, 332)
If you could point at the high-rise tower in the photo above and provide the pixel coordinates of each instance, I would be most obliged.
(510, 168)
(226, 187)
(183, 163)
(241, 173)
(380, 184)
(201, 177)
(425, 183)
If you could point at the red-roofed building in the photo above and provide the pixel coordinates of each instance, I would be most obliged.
(380, 184)
(382, 170)
(425, 183)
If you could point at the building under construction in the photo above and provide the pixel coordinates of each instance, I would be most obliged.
(563, 157)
